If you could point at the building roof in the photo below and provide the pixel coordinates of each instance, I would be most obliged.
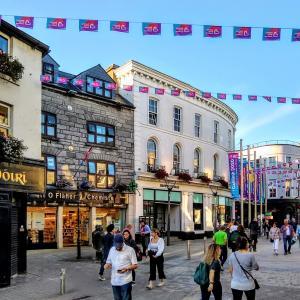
(11, 30)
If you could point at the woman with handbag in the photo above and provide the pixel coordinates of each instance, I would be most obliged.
(241, 263)
(275, 237)
(155, 252)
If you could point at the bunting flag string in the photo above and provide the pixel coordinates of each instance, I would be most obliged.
(176, 92)
(155, 28)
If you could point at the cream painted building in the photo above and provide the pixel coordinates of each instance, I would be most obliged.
(178, 134)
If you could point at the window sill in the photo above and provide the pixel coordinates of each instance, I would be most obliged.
(7, 78)
(101, 146)
(50, 138)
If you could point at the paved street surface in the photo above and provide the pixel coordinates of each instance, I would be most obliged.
(279, 277)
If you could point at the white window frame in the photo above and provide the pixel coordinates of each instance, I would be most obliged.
(272, 163)
(8, 41)
(229, 133)
(177, 120)
(216, 132)
(197, 125)
(8, 126)
(150, 112)
(199, 169)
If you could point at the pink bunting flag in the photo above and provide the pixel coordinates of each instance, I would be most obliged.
(62, 80)
(143, 89)
(159, 91)
(281, 100)
(191, 94)
(295, 100)
(111, 86)
(24, 22)
(78, 82)
(268, 98)
(46, 78)
(175, 92)
(128, 88)
(96, 84)
(252, 98)
(206, 95)
(221, 96)
(237, 97)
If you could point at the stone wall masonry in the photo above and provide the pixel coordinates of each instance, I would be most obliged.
(72, 115)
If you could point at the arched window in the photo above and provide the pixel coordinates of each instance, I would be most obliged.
(216, 164)
(176, 158)
(151, 154)
(197, 161)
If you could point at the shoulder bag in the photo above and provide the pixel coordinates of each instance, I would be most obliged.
(248, 273)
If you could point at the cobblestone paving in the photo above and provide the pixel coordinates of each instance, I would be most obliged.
(279, 277)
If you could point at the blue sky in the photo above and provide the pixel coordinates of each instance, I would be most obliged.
(218, 65)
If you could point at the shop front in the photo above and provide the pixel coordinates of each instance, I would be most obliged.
(223, 208)
(198, 211)
(52, 217)
(17, 182)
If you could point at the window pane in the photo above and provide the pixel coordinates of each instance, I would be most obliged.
(107, 93)
(42, 116)
(111, 169)
(51, 119)
(110, 140)
(89, 88)
(100, 130)
(91, 138)
(50, 177)
(51, 165)
(111, 181)
(3, 44)
(101, 182)
(100, 139)
(89, 79)
(92, 179)
(101, 168)
(50, 131)
(110, 131)
(3, 115)
(43, 129)
(92, 167)
(91, 128)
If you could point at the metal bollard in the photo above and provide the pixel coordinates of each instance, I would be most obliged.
(188, 249)
(204, 244)
(62, 281)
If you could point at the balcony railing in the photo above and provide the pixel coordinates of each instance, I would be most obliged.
(177, 171)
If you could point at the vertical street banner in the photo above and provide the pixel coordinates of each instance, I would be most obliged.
(234, 174)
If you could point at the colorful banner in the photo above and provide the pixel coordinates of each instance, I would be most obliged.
(241, 32)
(191, 94)
(234, 174)
(271, 34)
(296, 35)
(295, 100)
(151, 28)
(206, 95)
(62, 80)
(111, 86)
(281, 100)
(143, 89)
(88, 25)
(24, 22)
(182, 29)
(237, 97)
(128, 88)
(221, 96)
(46, 78)
(95, 84)
(78, 82)
(252, 98)
(159, 91)
(120, 26)
(268, 98)
(56, 23)
(212, 31)
(175, 92)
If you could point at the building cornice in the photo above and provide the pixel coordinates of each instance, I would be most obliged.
(160, 78)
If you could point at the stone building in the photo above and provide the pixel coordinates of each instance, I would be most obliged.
(87, 143)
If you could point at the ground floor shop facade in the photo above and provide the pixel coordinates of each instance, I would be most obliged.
(52, 218)
(193, 206)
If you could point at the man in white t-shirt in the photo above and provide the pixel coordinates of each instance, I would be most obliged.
(121, 260)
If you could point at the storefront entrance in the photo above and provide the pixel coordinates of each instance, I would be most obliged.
(106, 216)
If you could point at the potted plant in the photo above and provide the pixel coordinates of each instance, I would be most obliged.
(223, 182)
(11, 67)
(161, 174)
(11, 148)
(120, 188)
(185, 176)
(204, 178)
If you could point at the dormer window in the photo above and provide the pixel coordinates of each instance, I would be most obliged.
(98, 87)
(3, 44)
(48, 69)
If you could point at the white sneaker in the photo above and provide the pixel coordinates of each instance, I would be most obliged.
(150, 285)
(101, 278)
(161, 283)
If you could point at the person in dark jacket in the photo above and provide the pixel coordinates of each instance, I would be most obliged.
(98, 241)
(108, 242)
(242, 234)
(253, 226)
(129, 241)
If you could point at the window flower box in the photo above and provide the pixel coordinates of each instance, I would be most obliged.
(11, 67)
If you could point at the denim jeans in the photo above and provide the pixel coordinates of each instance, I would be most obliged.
(122, 292)
(287, 240)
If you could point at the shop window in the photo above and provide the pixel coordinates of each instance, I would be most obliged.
(198, 211)
(3, 44)
(70, 225)
(41, 226)
(98, 87)
(48, 124)
(101, 174)
(4, 120)
(106, 216)
(51, 169)
(48, 69)
(101, 134)
(152, 112)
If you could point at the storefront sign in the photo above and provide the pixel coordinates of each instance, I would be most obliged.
(21, 177)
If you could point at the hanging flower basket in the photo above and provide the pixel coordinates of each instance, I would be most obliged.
(120, 188)
(185, 176)
(11, 148)
(161, 174)
(204, 178)
(11, 67)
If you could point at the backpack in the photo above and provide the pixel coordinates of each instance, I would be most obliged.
(138, 252)
(233, 237)
(201, 275)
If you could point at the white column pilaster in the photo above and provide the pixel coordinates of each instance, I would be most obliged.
(92, 223)
(208, 213)
(59, 227)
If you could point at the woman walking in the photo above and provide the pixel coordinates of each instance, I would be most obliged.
(155, 252)
(212, 259)
(241, 263)
(129, 241)
(275, 237)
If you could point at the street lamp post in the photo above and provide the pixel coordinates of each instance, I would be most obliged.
(216, 204)
(78, 223)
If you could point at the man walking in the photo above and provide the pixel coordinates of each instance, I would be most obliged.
(108, 243)
(287, 232)
(220, 238)
(253, 226)
(145, 235)
(98, 241)
(122, 261)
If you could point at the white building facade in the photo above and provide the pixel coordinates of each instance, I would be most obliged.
(179, 134)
